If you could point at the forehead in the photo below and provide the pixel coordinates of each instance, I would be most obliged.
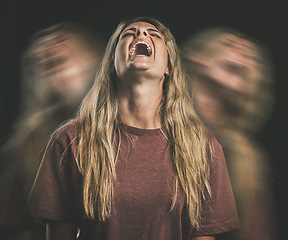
(233, 40)
(52, 39)
(140, 25)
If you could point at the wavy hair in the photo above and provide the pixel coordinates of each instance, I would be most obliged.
(96, 153)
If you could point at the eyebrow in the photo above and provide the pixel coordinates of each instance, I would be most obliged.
(128, 29)
(135, 29)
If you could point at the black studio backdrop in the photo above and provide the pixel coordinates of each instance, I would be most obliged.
(263, 20)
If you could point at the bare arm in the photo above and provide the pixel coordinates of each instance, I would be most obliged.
(203, 238)
(60, 231)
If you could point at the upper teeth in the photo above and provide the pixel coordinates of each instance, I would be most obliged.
(133, 48)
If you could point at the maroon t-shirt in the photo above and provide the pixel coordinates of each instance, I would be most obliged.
(143, 190)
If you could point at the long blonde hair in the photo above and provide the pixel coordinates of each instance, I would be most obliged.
(98, 126)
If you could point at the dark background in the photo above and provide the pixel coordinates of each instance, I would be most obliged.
(264, 20)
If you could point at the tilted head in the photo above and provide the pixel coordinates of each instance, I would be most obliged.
(231, 78)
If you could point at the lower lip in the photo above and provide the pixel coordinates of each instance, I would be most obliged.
(133, 57)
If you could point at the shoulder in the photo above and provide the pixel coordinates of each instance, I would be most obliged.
(215, 149)
(60, 149)
(66, 135)
(217, 146)
(216, 159)
(68, 130)
(219, 212)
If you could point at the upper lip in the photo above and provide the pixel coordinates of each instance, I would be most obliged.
(140, 41)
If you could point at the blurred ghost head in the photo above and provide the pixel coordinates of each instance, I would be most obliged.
(230, 79)
(59, 65)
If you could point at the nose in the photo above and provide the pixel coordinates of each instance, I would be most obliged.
(140, 32)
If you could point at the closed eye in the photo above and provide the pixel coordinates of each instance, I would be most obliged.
(128, 34)
(156, 35)
(132, 31)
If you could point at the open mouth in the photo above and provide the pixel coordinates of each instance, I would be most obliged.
(140, 48)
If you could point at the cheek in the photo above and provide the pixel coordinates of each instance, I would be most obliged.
(165, 63)
(162, 56)
(119, 57)
(165, 55)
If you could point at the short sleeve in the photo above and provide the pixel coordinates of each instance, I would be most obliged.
(54, 193)
(219, 213)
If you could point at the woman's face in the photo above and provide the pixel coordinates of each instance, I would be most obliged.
(226, 77)
(62, 66)
(232, 63)
(141, 49)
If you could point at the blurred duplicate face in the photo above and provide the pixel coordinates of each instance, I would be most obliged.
(62, 66)
(141, 49)
(226, 75)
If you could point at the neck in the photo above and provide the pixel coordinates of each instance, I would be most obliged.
(139, 104)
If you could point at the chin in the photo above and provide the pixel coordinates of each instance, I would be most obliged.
(139, 66)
